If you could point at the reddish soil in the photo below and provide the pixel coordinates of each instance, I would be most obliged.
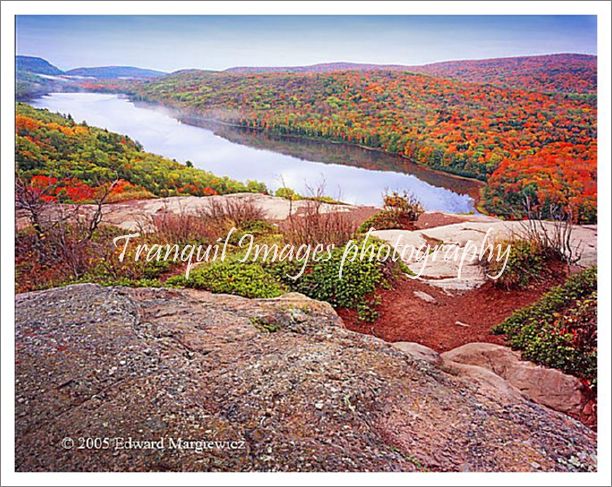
(426, 220)
(359, 214)
(432, 220)
(406, 318)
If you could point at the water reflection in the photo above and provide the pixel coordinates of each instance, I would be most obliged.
(351, 173)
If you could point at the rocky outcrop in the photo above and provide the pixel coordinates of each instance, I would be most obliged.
(135, 215)
(501, 370)
(550, 387)
(277, 384)
(460, 245)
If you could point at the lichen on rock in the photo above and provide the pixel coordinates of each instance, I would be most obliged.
(160, 364)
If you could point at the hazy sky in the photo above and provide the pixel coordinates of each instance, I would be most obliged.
(169, 43)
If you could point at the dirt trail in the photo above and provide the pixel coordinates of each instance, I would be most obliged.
(450, 320)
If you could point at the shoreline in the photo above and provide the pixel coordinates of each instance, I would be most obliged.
(184, 116)
(197, 120)
(476, 194)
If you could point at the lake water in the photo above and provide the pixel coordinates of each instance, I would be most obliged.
(352, 174)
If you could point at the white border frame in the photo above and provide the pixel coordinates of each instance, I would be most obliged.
(10, 9)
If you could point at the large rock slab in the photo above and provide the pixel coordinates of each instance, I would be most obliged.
(455, 267)
(550, 387)
(134, 216)
(279, 383)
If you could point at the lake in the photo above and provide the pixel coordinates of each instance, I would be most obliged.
(350, 173)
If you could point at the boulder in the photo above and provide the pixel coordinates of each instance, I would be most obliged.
(550, 387)
(486, 382)
(254, 385)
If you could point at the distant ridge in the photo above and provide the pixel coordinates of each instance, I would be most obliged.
(437, 66)
(554, 72)
(36, 76)
(318, 68)
(112, 72)
(561, 73)
(564, 73)
(36, 65)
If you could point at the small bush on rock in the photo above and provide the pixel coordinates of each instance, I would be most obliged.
(525, 264)
(399, 211)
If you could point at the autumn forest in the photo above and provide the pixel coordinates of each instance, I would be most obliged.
(526, 127)
(512, 132)
(328, 242)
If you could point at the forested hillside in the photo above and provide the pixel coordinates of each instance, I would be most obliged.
(525, 125)
(69, 161)
(563, 73)
(115, 72)
(36, 76)
(470, 129)
(36, 65)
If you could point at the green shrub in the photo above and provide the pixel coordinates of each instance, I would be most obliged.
(250, 280)
(399, 211)
(259, 229)
(559, 330)
(526, 262)
(287, 193)
(367, 311)
(320, 280)
(355, 290)
(324, 199)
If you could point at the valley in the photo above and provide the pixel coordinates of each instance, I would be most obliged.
(447, 358)
(491, 120)
(350, 174)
